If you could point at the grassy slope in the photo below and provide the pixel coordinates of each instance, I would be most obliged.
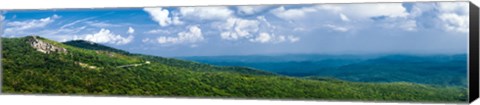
(29, 71)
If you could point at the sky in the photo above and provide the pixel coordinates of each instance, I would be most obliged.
(372, 28)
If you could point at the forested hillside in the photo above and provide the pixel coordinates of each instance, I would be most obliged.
(97, 70)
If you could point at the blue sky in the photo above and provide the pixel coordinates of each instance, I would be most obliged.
(375, 28)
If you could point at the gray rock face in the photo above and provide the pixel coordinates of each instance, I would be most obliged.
(45, 47)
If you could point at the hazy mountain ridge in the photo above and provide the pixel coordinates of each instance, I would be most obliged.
(27, 71)
(431, 69)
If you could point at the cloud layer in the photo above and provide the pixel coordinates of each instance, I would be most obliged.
(274, 27)
(192, 35)
(106, 36)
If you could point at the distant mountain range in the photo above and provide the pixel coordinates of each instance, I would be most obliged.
(86, 68)
(428, 69)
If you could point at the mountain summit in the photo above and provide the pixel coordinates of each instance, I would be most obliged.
(43, 46)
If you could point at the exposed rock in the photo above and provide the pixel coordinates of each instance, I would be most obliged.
(134, 65)
(45, 47)
(85, 65)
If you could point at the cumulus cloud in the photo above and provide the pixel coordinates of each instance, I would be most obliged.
(194, 34)
(454, 15)
(262, 38)
(266, 38)
(266, 23)
(347, 14)
(237, 28)
(161, 16)
(449, 16)
(106, 36)
(249, 10)
(230, 27)
(366, 11)
(254, 30)
(395, 15)
(206, 13)
(289, 14)
(16, 26)
(130, 30)
(454, 22)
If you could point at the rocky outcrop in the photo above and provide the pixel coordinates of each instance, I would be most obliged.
(85, 65)
(45, 47)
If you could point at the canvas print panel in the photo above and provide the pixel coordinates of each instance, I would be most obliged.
(369, 52)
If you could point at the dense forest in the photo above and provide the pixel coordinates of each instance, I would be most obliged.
(93, 69)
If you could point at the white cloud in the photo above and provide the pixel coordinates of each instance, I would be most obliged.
(194, 34)
(130, 30)
(176, 20)
(76, 21)
(454, 22)
(450, 16)
(330, 7)
(206, 13)
(343, 17)
(16, 26)
(454, 7)
(101, 24)
(237, 28)
(293, 39)
(419, 8)
(145, 40)
(262, 38)
(396, 16)
(106, 36)
(263, 20)
(158, 31)
(337, 28)
(366, 11)
(358, 12)
(455, 16)
(289, 14)
(271, 38)
(60, 32)
(161, 16)
(254, 30)
(351, 15)
(409, 25)
(406, 24)
(249, 10)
